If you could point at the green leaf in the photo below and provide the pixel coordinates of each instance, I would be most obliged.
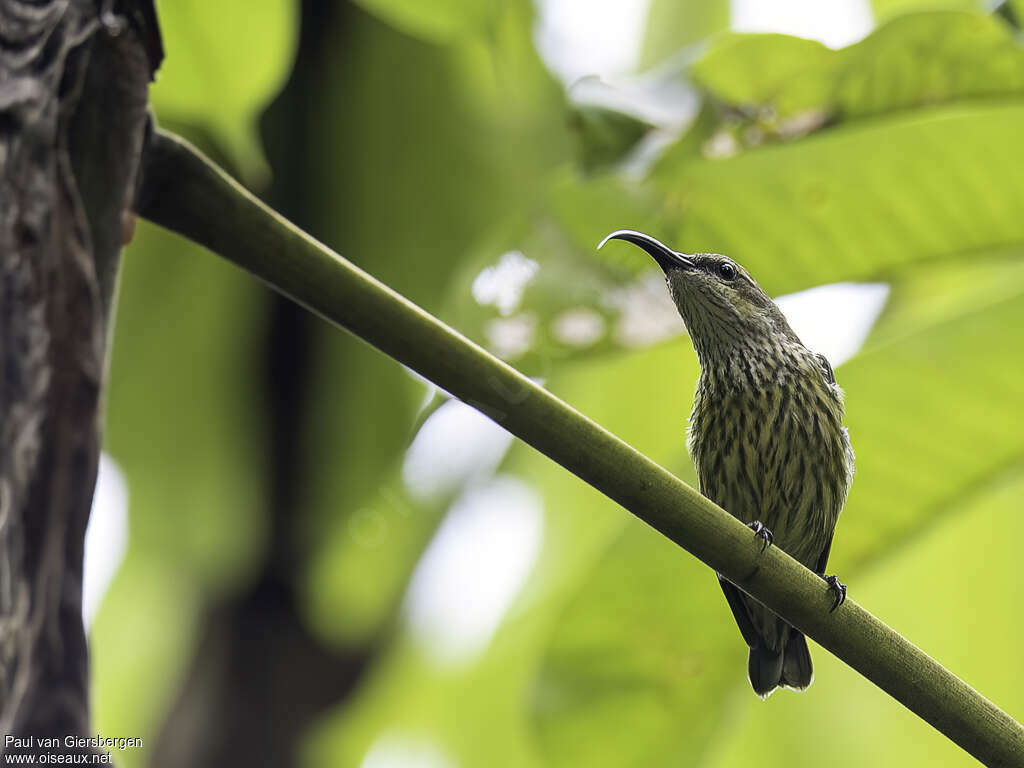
(933, 292)
(672, 25)
(917, 458)
(638, 670)
(440, 21)
(605, 136)
(887, 9)
(781, 87)
(789, 74)
(1017, 8)
(858, 200)
(225, 61)
(930, 58)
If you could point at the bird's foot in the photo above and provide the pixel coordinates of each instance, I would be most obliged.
(762, 533)
(839, 590)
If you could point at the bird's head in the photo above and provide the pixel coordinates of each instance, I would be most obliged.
(723, 307)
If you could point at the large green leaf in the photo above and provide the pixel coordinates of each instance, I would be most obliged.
(929, 58)
(858, 200)
(605, 136)
(886, 9)
(1017, 7)
(641, 667)
(781, 87)
(789, 74)
(225, 61)
(917, 456)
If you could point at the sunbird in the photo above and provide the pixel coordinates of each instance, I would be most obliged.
(766, 436)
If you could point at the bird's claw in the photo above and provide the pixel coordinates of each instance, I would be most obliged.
(762, 533)
(836, 586)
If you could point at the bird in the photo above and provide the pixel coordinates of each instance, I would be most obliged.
(766, 437)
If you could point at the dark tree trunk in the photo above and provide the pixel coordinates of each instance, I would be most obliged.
(74, 76)
(258, 673)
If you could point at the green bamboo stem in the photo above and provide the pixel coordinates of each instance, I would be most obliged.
(186, 193)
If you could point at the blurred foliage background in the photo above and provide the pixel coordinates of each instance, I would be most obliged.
(328, 564)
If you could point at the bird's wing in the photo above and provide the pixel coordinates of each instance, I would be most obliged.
(826, 369)
(819, 568)
(739, 612)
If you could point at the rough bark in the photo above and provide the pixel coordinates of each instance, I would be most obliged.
(73, 89)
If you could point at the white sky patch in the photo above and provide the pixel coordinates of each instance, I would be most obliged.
(835, 23)
(503, 284)
(474, 568)
(580, 37)
(577, 38)
(397, 750)
(594, 48)
(578, 327)
(647, 314)
(667, 102)
(510, 337)
(106, 537)
(455, 445)
(834, 319)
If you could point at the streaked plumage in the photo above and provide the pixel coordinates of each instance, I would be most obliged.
(765, 434)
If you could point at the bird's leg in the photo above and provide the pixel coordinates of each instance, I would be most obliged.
(762, 533)
(836, 586)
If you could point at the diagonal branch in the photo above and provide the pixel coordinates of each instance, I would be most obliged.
(186, 193)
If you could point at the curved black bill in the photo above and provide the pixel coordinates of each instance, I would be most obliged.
(661, 253)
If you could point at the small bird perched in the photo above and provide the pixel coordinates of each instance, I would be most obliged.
(766, 437)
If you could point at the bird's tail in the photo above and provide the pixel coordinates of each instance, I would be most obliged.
(768, 669)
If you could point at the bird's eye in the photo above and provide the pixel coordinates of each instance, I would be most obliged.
(727, 271)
